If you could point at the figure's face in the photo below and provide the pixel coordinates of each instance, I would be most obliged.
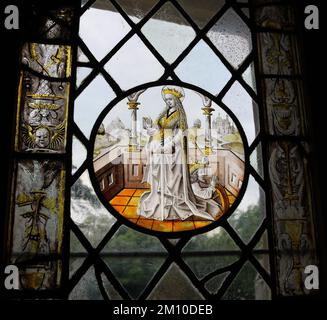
(170, 100)
(42, 138)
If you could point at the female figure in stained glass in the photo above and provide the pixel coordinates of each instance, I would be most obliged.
(171, 196)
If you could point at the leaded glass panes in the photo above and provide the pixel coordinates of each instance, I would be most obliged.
(82, 73)
(126, 149)
(102, 16)
(134, 279)
(87, 288)
(232, 38)
(201, 12)
(242, 105)
(204, 50)
(214, 284)
(204, 69)
(43, 104)
(90, 103)
(78, 154)
(184, 289)
(204, 266)
(140, 66)
(257, 161)
(119, 136)
(249, 78)
(37, 217)
(87, 212)
(81, 57)
(248, 285)
(137, 10)
(37, 222)
(250, 213)
(175, 32)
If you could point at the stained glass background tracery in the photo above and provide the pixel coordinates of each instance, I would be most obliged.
(246, 251)
(216, 73)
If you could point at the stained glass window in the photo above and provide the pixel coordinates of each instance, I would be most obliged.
(158, 147)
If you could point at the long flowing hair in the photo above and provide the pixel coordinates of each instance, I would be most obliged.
(182, 118)
(182, 125)
(185, 154)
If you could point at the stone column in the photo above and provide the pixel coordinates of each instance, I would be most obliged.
(133, 106)
(133, 143)
(207, 111)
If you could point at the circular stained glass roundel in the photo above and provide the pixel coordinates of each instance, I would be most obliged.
(168, 159)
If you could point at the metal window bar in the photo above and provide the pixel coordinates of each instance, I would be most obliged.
(94, 255)
(174, 252)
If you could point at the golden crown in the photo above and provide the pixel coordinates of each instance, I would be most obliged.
(174, 92)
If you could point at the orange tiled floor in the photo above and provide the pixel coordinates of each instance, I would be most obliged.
(126, 201)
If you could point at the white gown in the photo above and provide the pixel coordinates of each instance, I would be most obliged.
(179, 201)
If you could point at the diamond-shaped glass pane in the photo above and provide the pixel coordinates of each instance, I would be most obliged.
(134, 273)
(202, 265)
(210, 242)
(87, 211)
(256, 160)
(128, 240)
(175, 285)
(87, 288)
(109, 288)
(249, 77)
(91, 102)
(134, 64)
(245, 109)
(201, 11)
(232, 38)
(248, 285)
(168, 32)
(81, 57)
(102, 27)
(137, 10)
(263, 259)
(81, 74)
(203, 68)
(263, 242)
(215, 283)
(250, 213)
(78, 154)
(77, 254)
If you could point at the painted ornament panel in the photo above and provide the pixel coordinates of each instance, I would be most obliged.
(43, 103)
(37, 222)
